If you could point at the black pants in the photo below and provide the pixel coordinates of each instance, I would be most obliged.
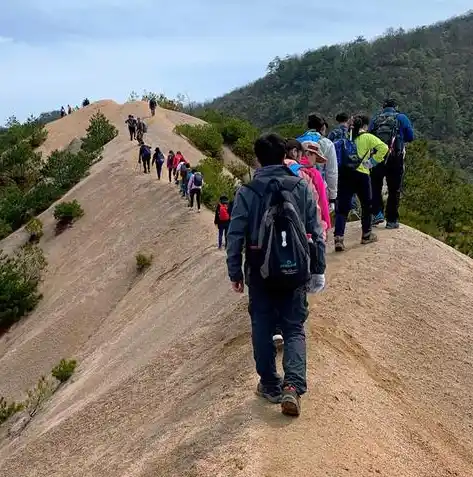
(146, 164)
(197, 193)
(349, 183)
(170, 174)
(159, 169)
(393, 170)
(132, 132)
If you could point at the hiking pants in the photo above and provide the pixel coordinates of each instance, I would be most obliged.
(170, 174)
(159, 168)
(197, 193)
(291, 309)
(393, 170)
(183, 187)
(153, 111)
(222, 232)
(132, 132)
(349, 183)
(146, 164)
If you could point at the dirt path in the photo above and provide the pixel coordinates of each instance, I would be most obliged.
(166, 376)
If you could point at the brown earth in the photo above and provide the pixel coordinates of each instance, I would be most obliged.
(166, 377)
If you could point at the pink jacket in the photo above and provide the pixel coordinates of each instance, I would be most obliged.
(304, 174)
(319, 185)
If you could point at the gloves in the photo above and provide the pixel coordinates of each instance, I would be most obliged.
(369, 163)
(316, 283)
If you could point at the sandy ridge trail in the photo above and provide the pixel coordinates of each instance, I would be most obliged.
(166, 376)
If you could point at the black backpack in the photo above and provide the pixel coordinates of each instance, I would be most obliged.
(283, 248)
(197, 179)
(386, 128)
(145, 152)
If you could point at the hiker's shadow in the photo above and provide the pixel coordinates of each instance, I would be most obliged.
(270, 414)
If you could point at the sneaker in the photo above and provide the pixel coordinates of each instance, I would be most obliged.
(274, 397)
(339, 244)
(392, 225)
(278, 341)
(291, 402)
(369, 238)
(378, 219)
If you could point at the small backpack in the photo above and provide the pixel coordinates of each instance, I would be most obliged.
(347, 154)
(283, 248)
(386, 128)
(145, 152)
(184, 172)
(197, 179)
(223, 214)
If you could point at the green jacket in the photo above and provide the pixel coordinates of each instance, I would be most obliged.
(366, 142)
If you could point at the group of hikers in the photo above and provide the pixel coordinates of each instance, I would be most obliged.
(279, 222)
(70, 109)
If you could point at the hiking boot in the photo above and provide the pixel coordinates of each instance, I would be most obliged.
(339, 244)
(392, 225)
(273, 396)
(369, 238)
(291, 402)
(278, 341)
(378, 219)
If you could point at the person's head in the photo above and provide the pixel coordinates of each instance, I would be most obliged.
(138, 119)
(172, 153)
(317, 122)
(223, 199)
(390, 103)
(312, 152)
(360, 124)
(270, 149)
(188, 166)
(141, 142)
(293, 149)
(342, 118)
(194, 171)
(157, 150)
(178, 153)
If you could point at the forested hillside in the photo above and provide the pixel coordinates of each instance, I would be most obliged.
(429, 70)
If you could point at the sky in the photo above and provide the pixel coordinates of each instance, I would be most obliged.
(56, 52)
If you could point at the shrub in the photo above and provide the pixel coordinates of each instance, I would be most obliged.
(37, 396)
(67, 212)
(64, 370)
(233, 129)
(38, 136)
(19, 280)
(240, 171)
(35, 228)
(7, 409)
(244, 149)
(217, 182)
(205, 137)
(31, 261)
(143, 262)
(100, 132)
(5, 229)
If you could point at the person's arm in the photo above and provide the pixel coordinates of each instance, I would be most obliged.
(331, 172)
(314, 227)
(406, 127)
(153, 160)
(379, 146)
(217, 209)
(236, 235)
(190, 184)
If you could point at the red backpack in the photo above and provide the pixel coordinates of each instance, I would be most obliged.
(223, 214)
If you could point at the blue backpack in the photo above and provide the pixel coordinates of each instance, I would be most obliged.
(347, 154)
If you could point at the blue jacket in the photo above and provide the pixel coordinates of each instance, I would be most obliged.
(337, 133)
(406, 132)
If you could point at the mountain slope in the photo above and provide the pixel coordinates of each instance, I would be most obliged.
(429, 70)
(166, 377)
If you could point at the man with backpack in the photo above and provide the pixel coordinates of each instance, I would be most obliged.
(145, 157)
(158, 159)
(170, 164)
(395, 130)
(194, 188)
(222, 219)
(141, 129)
(342, 129)
(131, 122)
(152, 106)
(185, 174)
(274, 221)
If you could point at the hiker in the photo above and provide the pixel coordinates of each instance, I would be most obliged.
(342, 128)
(395, 130)
(69, 109)
(85, 103)
(131, 122)
(178, 158)
(316, 132)
(185, 176)
(152, 105)
(182, 163)
(158, 159)
(170, 164)
(357, 156)
(194, 188)
(141, 129)
(145, 157)
(63, 112)
(273, 288)
(222, 219)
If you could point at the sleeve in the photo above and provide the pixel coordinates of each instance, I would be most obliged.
(381, 148)
(331, 172)
(216, 221)
(407, 129)
(314, 227)
(236, 235)
(190, 184)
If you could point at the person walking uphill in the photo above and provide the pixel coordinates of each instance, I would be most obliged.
(131, 122)
(158, 159)
(356, 156)
(194, 189)
(170, 165)
(152, 106)
(145, 157)
(222, 219)
(395, 130)
(272, 217)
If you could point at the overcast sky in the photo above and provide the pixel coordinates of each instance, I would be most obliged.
(55, 52)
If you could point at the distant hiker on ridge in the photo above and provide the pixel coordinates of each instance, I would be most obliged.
(63, 112)
(69, 109)
(131, 121)
(85, 103)
(145, 157)
(152, 105)
(395, 130)
(283, 246)
(158, 159)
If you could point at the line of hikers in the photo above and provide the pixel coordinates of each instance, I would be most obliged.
(70, 109)
(279, 222)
